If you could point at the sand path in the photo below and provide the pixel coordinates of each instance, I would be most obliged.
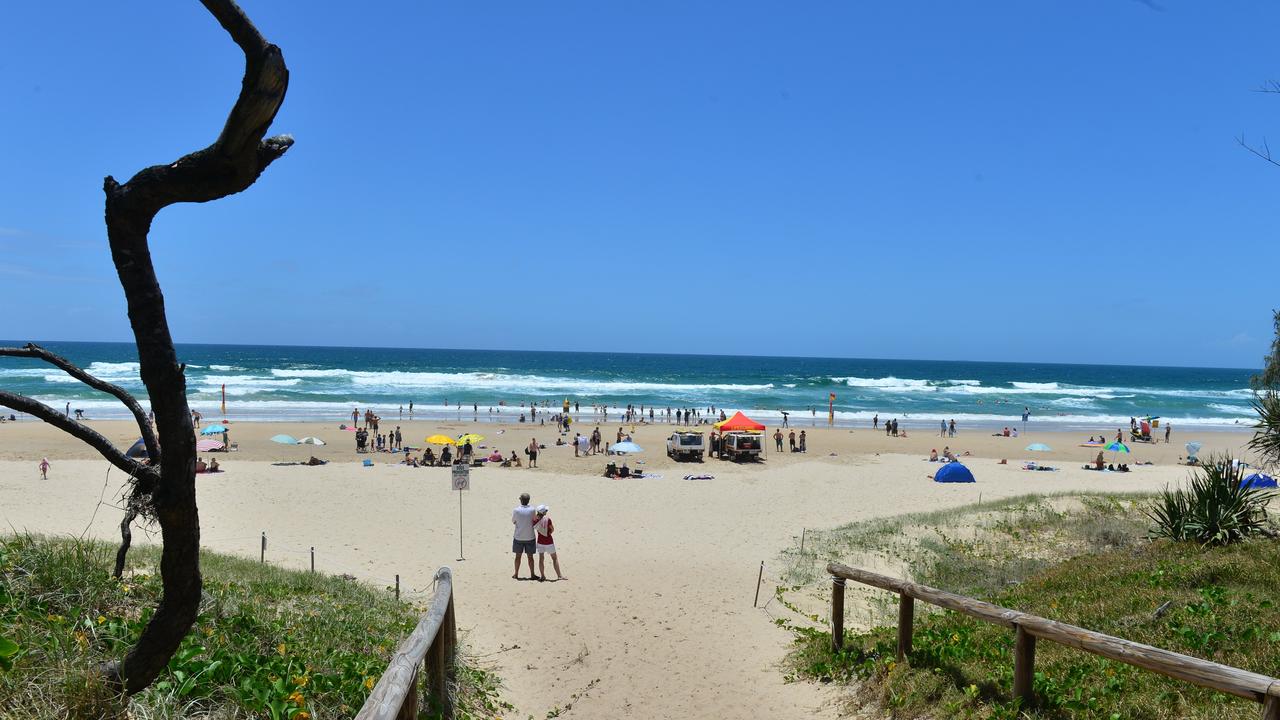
(656, 619)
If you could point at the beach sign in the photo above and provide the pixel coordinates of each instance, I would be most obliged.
(461, 477)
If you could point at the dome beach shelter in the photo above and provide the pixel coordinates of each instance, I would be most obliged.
(953, 472)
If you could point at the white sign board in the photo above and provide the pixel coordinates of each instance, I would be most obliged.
(461, 477)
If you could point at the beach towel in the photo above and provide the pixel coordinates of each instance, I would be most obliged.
(699, 477)
(368, 462)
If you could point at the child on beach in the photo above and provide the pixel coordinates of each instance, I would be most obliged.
(546, 545)
(44, 468)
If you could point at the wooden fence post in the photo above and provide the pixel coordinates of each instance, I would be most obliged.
(397, 586)
(1271, 707)
(313, 558)
(1024, 667)
(440, 665)
(409, 709)
(906, 624)
(262, 554)
(837, 613)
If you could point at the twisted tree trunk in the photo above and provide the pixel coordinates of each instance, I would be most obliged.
(165, 488)
(228, 166)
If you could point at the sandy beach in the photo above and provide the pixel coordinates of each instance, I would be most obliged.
(656, 619)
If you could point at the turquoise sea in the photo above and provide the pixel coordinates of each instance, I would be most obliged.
(325, 383)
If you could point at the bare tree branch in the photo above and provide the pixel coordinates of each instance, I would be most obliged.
(31, 350)
(1263, 152)
(83, 432)
(239, 155)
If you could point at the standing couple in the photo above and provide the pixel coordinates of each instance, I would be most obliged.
(533, 534)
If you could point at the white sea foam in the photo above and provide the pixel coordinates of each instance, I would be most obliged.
(221, 368)
(104, 369)
(890, 384)
(510, 384)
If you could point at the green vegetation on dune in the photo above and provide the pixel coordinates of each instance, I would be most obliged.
(1083, 562)
(268, 642)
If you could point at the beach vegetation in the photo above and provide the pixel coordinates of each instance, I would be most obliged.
(1214, 602)
(1215, 507)
(266, 643)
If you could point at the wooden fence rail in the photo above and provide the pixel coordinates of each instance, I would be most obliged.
(432, 648)
(1223, 678)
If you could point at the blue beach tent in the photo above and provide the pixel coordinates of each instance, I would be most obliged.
(953, 472)
(1258, 480)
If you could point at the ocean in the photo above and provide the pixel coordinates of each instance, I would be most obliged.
(324, 383)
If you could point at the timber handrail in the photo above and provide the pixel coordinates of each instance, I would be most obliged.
(432, 647)
(1223, 678)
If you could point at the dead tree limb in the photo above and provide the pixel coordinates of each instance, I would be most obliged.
(126, 538)
(31, 350)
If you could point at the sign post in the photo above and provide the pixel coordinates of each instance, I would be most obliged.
(461, 481)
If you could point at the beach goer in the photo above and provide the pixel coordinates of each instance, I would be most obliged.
(1119, 436)
(213, 465)
(875, 421)
(522, 540)
(933, 455)
(532, 452)
(514, 460)
(802, 441)
(791, 440)
(1168, 429)
(951, 428)
(543, 527)
(44, 468)
(1098, 462)
(777, 439)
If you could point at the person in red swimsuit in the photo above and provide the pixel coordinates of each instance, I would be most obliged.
(543, 527)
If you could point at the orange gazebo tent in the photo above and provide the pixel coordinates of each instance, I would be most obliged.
(739, 422)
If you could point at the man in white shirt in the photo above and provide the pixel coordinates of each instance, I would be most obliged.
(523, 540)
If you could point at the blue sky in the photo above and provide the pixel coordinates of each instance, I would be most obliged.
(1049, 181)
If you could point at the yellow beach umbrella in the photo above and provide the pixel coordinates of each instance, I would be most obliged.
(469, 438)
(439, 440)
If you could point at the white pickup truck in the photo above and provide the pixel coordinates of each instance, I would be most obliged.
(682, 445)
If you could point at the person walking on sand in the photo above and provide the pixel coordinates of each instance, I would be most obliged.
(875, 421)
(951, 428)
(522, 541)
(44, 468)
(532, 452)
(543, 527)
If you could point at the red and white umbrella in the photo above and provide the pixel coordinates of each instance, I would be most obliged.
(208, 445)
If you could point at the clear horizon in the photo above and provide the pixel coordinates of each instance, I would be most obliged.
(1009, 182)
(615, 352)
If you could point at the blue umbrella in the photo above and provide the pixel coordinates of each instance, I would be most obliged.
(214, 430)
(284, 439)
(623, 448)
(953, 472)
(1117, 447)
(1038, 447)
(1258, 480)
(138, 451)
